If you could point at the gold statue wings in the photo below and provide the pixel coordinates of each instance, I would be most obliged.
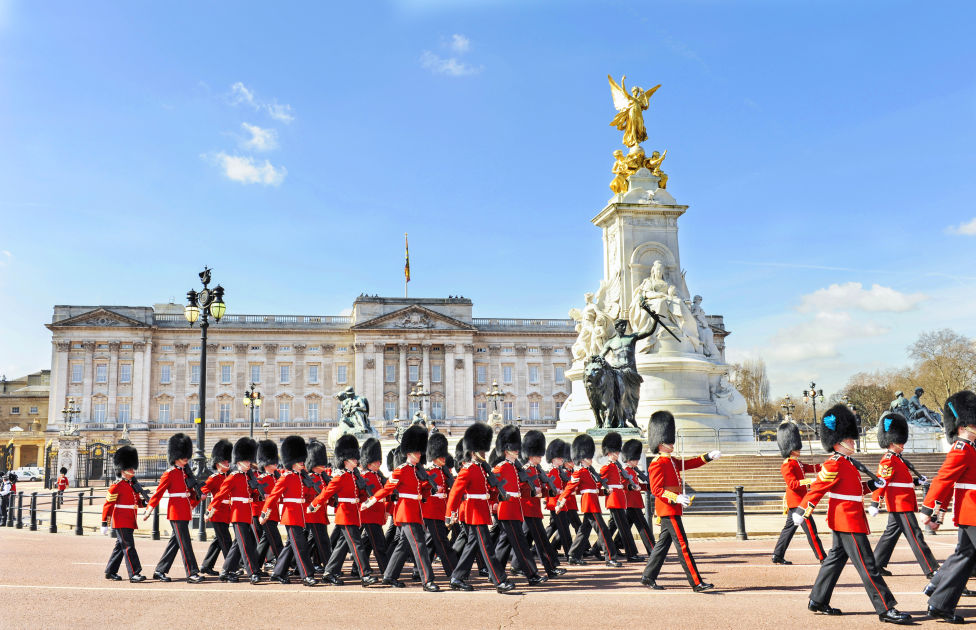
(630, 110)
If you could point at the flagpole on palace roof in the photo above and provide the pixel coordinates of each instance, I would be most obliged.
(406, 267)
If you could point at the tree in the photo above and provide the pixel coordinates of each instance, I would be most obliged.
(871, 393)
(752, 380)
(944, 363)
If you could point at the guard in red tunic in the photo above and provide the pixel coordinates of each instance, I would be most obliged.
(558, 529)
(411, 490)
(794, 474)
(287, 498)
(540, 489)
(635, 496)
(62, 485)
(839, 479)
(898, 495)
(347, 489)
(237, 488)
(172, 485)
(373, 518)
(664, 475)
(616, 501)
(317, 523)
(586, 482)
(121, 505)
(269, 543)
(221, 544)
(956, 482)
(468, 500)
(435, 507)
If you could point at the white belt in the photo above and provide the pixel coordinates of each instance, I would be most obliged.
(346, 500)
(415, 497)
(966, 486)
(125, 507)
(293, 500)
(185, 495)
(845, 497)
(225, 502)
(240, 499)
(441, 495)
(589, 491)
(616, 487)
(898, 484)
(483, 497)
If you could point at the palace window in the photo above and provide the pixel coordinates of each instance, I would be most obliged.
(255, 373)
(284, 348)
(98, 414)
(390, 373)
(125, 412)
(508, 411)
(225, 374)
(313, 374)
(168, 348)
(195, 374)
(164, 412)
(101, 373)
(224, 412)
(341, 374)
(165, 374)
(125, 373)
(413, 408)
(481, 350)
(194, 412)
(435, 373)
(313, 412)
(533, 373)
(284, 412)
(482, 411)
(533, 410)
(482, 372)
(560, 374)
(342, 349)
(33, 411)
(508, 350)
(559, 405)
(507, 374)
(413, 372)
(437, 410)
(285, 373)
(15, 410)
(76, 372)
(389, 410)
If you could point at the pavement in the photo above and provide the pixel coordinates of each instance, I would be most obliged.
(56, 581)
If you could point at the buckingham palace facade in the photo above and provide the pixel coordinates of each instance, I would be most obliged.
(139, 367)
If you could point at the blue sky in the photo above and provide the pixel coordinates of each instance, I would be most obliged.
(823, 148)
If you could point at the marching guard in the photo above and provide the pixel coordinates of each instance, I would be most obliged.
(317, 523)
(121, 506)
(237, 489)
(373, 518)
(269, 538)
(540, 488)
(289, 494)
(220, 456)
(794, 475)
(558, 528)
(631, 453)
(586, 482)
(616, 500)
(434, 509)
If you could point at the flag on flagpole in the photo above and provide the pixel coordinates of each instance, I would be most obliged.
(406, 267)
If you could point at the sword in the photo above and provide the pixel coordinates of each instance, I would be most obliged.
(658, 320)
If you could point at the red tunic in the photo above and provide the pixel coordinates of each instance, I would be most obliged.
(212, 487)
(289, 493)
(173, 484)
(664, 476)
(532, 504)
(583, 483)
(899, 490)
(469, 496)
(435, 507)
(121, 505)
(347, 495)
(635, 498)
(793, 471)
(235, 489)
(617, 499)
(841, 482)
(957, 480)
(267, 481)
(318, 516)
(409, 491)
(62, 483)
(510, 510)
(376, 513)
(570, 505)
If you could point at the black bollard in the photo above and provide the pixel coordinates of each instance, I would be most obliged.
(20, 510)
(10, 510)
(54, 513)
(81, 506)
(33, 512)
(91, 495)
(155, 527)
(740, 516)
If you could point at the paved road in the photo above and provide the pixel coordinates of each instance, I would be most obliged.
(56, 581)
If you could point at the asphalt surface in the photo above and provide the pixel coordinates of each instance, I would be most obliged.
(57, 581)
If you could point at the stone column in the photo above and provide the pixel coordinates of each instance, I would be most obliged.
(328, 370)
(448, 375)
(138, 409)
(60, 375)
(298, 382)
(548, 380)
(402, 347)
(359, 380)
(379, 380)
(242, 371)
(212, 382)
(521, 382)
(88, 380)
(146, 392)
(180, 378)
(468, 380)
(113, 381)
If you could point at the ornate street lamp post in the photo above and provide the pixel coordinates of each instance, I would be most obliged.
(252, 400)
(811, 395)
(418, 393)
(788, 406)
(208, 302)
(69, 413)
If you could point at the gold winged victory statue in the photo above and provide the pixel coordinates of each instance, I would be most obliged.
(630, 110)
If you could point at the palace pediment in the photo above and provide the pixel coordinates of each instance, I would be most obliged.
(413, 317)
(99, 318)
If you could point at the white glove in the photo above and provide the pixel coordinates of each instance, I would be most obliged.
(713, 455)
(881, 483)
(873, 511)
(683, 499)
(923, 480)
(104, 530)
(797, 519)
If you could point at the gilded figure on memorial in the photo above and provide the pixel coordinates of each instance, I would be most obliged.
(621, 172)
(653, 164)
(630, 110)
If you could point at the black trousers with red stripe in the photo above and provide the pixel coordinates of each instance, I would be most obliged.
(125, 549)
(858, 549)
(620, 522)
(637, 519)
(672, 531)
(295, 551)
(375, 542)
(179, 542)
(904, 523)
(558, 531)
(318, 542)
(220, 544)
(245, 549)
(951, 579)
(511, 541)
(269, 540)
(350, 542)
(810, 529)
(478, 545)
(437, 545)
(535, 533)
(591, 521)
(461, 543)
(411, 542)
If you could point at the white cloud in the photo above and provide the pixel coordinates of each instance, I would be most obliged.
(450, 66)
(240, 94)
(280, 112)
(261, 139)
(964, 229)
(854, 295)
(245, 170)
(820, 337)
(460, 44)
(5, 257)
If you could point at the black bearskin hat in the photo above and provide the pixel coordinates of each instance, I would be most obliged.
(436, 447)
(180, 446)
(414, 439)
(631, 450)
(245, 450)
(960, 411)
(125, 458)
(477, 438)
(460, 455)
(838, 424)
(509, 438)
(567, 452)
(346, 447)
(371, 451)
(394, 458)
(293, 450)
(267, 453)
(892, 429)
(63, 471)
(788, 438)
(583, 448)
(221, 452)
(317, 455)
(555, 449)
(660, 430)
(533, 444)
(612, 443)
